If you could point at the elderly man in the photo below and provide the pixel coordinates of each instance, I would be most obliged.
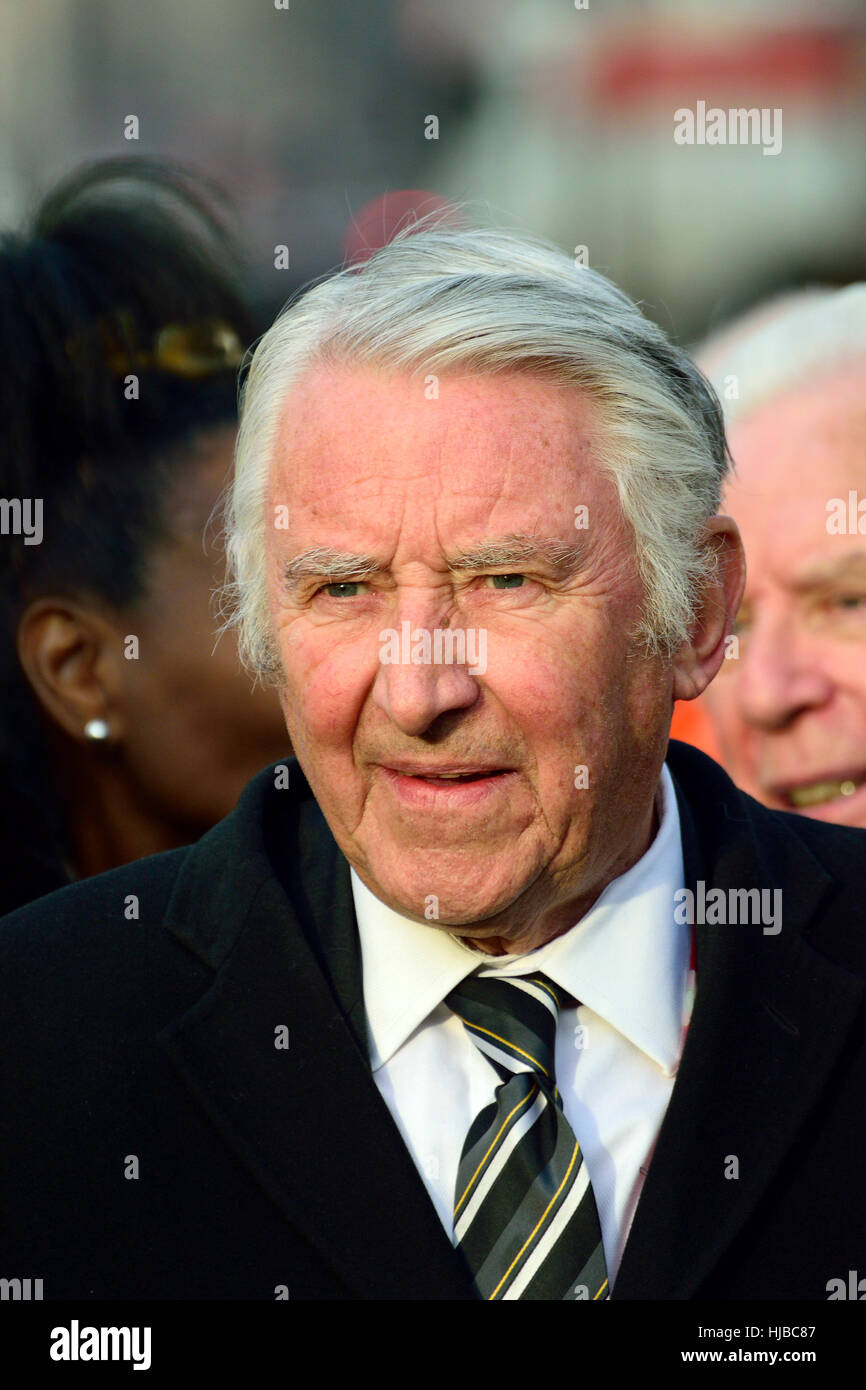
(480, 997)
(789, 712)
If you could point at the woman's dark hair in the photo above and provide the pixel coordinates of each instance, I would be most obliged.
(121, 328)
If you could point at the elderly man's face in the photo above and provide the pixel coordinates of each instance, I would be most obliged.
(510, 850)
(790, 711)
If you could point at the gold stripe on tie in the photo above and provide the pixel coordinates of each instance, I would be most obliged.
(530, 1238)
(519, 1106)
(518, 1241)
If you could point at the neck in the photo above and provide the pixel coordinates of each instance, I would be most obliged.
(109, 823)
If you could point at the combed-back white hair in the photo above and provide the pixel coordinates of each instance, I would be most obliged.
(435, 300)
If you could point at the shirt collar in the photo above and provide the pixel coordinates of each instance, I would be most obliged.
(626, 959)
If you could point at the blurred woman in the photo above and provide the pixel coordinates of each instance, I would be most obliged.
(126, 727)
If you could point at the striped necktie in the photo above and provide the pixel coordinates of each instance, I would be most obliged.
(525, 1217)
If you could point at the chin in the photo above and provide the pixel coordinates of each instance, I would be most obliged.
(451, 908)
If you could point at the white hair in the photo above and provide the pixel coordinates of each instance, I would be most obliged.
(437, 299)
(782, 344)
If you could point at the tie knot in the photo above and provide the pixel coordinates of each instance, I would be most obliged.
(512, 1019)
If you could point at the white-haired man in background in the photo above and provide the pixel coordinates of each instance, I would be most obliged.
(789, 708)
(489, 994)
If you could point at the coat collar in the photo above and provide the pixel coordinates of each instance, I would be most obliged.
(308, 1121)
(264, 900)
(770, 1017)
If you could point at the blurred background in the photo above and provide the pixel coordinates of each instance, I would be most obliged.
(328, 123)
(559, 117)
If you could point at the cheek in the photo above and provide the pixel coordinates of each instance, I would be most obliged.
(327, 680)
(846, 666)
(735, 740)
(530, 682)
(720, 700)
(561, 709)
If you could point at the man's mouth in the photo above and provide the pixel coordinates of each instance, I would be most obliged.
(457, 785)
(421, 774)
(809, 794)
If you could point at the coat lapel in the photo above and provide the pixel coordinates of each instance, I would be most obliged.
(770, 1017)
(308, 1121)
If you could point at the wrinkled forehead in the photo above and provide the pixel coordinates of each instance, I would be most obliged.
(809, 436)
(441, 446)
(355, 404)
(799, 458)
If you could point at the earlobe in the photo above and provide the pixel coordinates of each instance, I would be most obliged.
(68, 654)
(699, 658)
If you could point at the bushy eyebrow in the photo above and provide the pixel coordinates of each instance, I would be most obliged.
(325, 563)
(837, 570)
(522, 550)
(322, 562)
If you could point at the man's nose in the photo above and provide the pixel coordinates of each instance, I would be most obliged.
(781, 674)
(426, 671)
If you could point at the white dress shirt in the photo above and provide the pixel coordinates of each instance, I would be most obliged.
(617, 1054)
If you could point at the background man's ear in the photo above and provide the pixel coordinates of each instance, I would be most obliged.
(698, 659)
(71, 656)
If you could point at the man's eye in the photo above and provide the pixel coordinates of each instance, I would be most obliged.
(506, 581)
(850, 601)
(342, 588)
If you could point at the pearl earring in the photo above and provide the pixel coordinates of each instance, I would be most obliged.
(96, 729)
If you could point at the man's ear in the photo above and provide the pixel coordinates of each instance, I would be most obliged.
(698, 659)
(71, 655)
